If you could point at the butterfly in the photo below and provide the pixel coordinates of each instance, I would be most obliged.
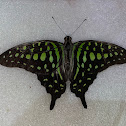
(55, 63)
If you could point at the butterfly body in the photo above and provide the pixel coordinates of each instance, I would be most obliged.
(55, 63)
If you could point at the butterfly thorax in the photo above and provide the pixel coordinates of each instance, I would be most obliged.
(68, 53)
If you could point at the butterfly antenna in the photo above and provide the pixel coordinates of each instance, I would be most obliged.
(78, 26)
(58, 26)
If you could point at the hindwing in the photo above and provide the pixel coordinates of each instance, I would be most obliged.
(44, 58)
(91, 57)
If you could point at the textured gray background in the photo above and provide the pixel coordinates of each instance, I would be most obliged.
(23, 101)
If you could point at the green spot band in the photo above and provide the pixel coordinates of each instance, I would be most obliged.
(73, 51)
(78, 53)
(82, 44)
(77, 70)
(58, 70)
(56, 51)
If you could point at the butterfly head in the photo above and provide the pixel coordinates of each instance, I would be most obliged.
(67, 40)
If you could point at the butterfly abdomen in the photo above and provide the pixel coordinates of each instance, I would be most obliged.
(68, 53)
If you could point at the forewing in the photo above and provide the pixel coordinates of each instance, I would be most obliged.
(91, 57)
(44, 58)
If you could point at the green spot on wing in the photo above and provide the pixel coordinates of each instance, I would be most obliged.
(79, 90)
(56, 91)
(55, 81)
(99, 56)
(78, 53)
(92, 56)
(43, 56)
(116, 53)
(61, 85)
(87, 48)
(24, 48)
(40, 49)
(31, 66)
(58, 70)
(82, 44)
(45, 66)
(22, 55)
(82, 65)
(28, 56)
(109, 46)
(53, 65)
(80, 81)
(50, 86)
(35, 56)
(74, 85)
(17, 54)
(39, 68)
(45, 79)
(105, 55)
(10, 56)
(51, 57)
(48, 48)
(32, 49)
(77, 70)
(84, 57)
(52, 74)
(82, 74)
(39, 43)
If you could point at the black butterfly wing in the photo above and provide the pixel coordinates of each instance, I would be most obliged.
(91, 57)
(44, 58)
